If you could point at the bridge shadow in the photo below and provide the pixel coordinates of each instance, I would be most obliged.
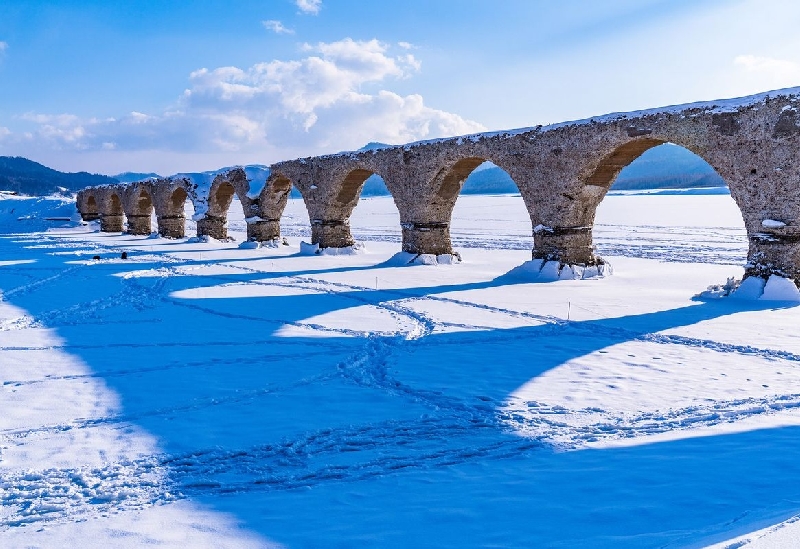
(340, 439)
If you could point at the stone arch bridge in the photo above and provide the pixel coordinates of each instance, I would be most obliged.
(563, 171)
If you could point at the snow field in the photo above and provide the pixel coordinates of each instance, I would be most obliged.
(201, 394)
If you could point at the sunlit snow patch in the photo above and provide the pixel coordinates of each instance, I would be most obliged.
(776, 288)
(540, 270)
(314, 249)
(402, 259)
(773, 224)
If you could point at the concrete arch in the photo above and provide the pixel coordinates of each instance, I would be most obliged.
(428, 231)
(87, 204)
(330, 187)
(572, 242)
(263, 213)
(137, 202)
(112, 215)
(562, 171)
(169, 201)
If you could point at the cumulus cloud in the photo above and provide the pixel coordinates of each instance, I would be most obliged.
(311, 7)
(770, 72)
(310, 105)
(276, 27)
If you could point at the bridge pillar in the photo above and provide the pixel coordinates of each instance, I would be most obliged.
(112, 216)
(264, 230)
(774, 254)
(172, 226)
(112, 223)
(139, 224)
(331, 233)
(567, 245)
(169, 202)
(426, 237)
(263, 213)
(213, 226)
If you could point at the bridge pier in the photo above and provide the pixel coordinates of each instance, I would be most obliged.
(567, 245)
(90, 216)
(112, 223)
(427, 238)
(213, 226)
(139, 224)
(264, 230)
(172, 226)
(772, 254)
(331, 233)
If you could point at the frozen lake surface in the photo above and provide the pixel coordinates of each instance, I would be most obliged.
(202, 395)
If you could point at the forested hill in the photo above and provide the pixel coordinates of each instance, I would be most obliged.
(31, 178)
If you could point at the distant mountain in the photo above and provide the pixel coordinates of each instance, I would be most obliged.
(133, 177)
(31, 178)
(373, 145)
(667, 166)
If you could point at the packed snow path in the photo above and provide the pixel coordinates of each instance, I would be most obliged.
(204, 395)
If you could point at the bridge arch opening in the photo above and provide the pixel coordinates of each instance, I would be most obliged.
(665, 202)
(482, 207)
(374, 216)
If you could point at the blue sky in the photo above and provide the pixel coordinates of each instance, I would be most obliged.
(186, 86)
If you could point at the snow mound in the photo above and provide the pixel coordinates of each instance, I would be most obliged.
(402, 259)
(254, 244)
(776, 288)
(201, 239)
(779, 288)
(544, 271)
(717, 291)
(314, 249)
(250, 245)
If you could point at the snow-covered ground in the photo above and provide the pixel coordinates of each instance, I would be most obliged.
(202, 395)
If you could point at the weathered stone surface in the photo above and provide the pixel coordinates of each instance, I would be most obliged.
(137, 202)
(562, 171)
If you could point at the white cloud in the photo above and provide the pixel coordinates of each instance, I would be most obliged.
(770, 73)
(311, 7)
(276, 27)
(283, 109)
(3, 47)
